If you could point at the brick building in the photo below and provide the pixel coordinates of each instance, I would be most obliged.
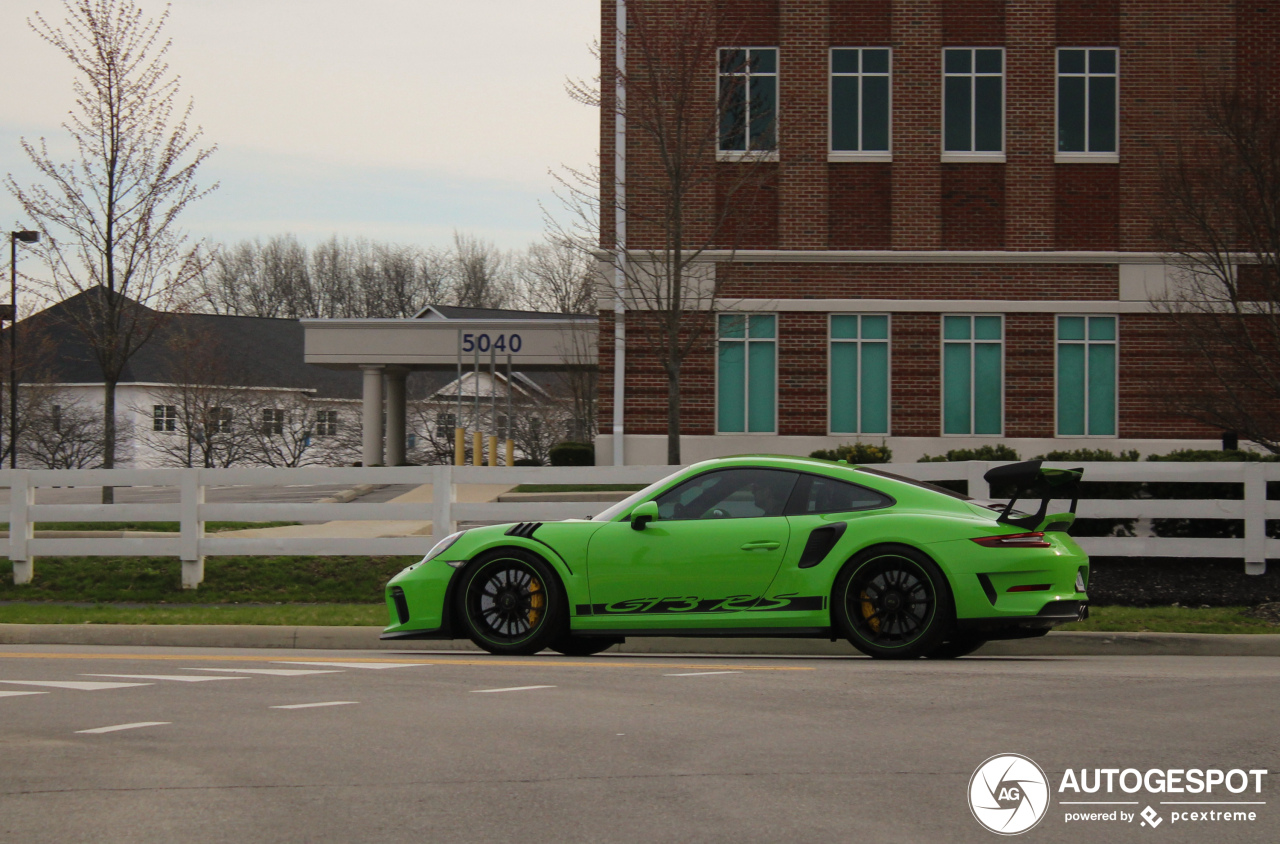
(950, 243)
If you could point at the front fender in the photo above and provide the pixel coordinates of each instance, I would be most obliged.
(573, 577)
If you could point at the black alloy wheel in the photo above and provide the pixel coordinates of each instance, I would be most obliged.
(511, 602)
(893, 604)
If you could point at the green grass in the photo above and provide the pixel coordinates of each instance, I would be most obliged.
(160, 527)
(578, 487)
(321, 615)
(349, 590)
(1170, 620)
(158, 580)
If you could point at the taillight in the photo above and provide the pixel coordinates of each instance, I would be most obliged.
(1014, 540)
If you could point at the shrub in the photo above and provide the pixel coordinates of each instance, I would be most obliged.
(573, 454)
(1207, 455)
(527, 461)
(858, 452)
(1091, 455)
(986, 452)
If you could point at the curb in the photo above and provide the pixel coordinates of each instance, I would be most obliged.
(366, 638)
(349, 495)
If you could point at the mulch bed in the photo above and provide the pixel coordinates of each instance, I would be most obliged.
(1161, 581)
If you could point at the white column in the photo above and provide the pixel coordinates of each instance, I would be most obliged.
(395, 415)
(372, 415)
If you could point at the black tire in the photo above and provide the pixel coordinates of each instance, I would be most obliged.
(571, 645)
(960, 644)
(510, 602)
(893, 602)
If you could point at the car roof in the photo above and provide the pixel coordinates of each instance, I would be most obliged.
(853, 473)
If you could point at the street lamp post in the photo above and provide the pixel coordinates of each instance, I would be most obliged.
(14, 237)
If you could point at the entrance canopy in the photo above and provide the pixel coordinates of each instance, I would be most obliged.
(440, 338)
(440, 335)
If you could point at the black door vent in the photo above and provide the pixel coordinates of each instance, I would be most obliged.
(820, 543)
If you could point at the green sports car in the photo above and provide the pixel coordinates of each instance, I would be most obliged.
(763, 546)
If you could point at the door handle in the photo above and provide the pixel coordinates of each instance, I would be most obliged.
(762, 545)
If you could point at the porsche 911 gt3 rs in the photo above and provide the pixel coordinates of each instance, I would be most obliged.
(763, 546)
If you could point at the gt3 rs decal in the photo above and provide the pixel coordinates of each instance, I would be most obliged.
(693, 604)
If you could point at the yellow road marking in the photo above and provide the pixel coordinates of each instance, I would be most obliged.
(553, 663)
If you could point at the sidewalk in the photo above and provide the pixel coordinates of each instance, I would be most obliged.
(352, 529)
(366, 638)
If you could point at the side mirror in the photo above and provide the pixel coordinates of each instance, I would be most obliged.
(643, 514)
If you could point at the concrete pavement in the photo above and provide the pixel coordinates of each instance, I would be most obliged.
(363, 638)
(147, 745)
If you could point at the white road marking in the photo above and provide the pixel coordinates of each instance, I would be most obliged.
(272, 672)
(177, 678)
(512, 689)
(310, 705)
(79, 685)
(126, 727)
(19, 694)
(373, 665)
(700, 673)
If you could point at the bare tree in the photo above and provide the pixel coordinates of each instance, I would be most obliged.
(336, 279)
(481, 273)
(694, 197)
(109, 216)
(1220, 218)
(290, 431)
(558, 277)
(59, 431)
(200, 417)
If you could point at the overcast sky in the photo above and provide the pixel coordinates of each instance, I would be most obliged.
(397, 120)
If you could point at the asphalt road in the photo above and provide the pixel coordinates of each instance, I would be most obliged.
(414, 747)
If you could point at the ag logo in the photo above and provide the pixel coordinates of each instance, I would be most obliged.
(1008, 794)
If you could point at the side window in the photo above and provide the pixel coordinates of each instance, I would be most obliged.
(728, 494)
(825, 495)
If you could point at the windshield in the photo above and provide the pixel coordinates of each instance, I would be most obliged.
(631, 500)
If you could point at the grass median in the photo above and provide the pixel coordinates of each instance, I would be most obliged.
(349, 591)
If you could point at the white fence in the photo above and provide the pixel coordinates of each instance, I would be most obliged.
(191, 544)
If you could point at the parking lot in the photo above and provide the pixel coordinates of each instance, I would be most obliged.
(151, 744)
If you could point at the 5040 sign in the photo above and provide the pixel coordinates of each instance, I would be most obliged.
(495, 342)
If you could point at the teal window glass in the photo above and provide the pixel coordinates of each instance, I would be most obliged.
(746, 373)
(748, 94)
(859, 377)
(860, 99)
(973, 375)
(1086, 376)
(1088, 91)
(973, 100)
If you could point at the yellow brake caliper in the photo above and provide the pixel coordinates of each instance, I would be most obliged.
(537, 600)
(869, 610)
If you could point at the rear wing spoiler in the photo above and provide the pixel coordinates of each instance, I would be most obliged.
(1031, 480)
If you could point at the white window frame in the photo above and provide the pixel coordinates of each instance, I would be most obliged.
(750, 154)
(971, 157)
(834, 155)
(1086, 342)
(746, 381)
(1083, 157)
(942, 372)
(278, 417)
(888, 341)
(165, 418)
(322, 424)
